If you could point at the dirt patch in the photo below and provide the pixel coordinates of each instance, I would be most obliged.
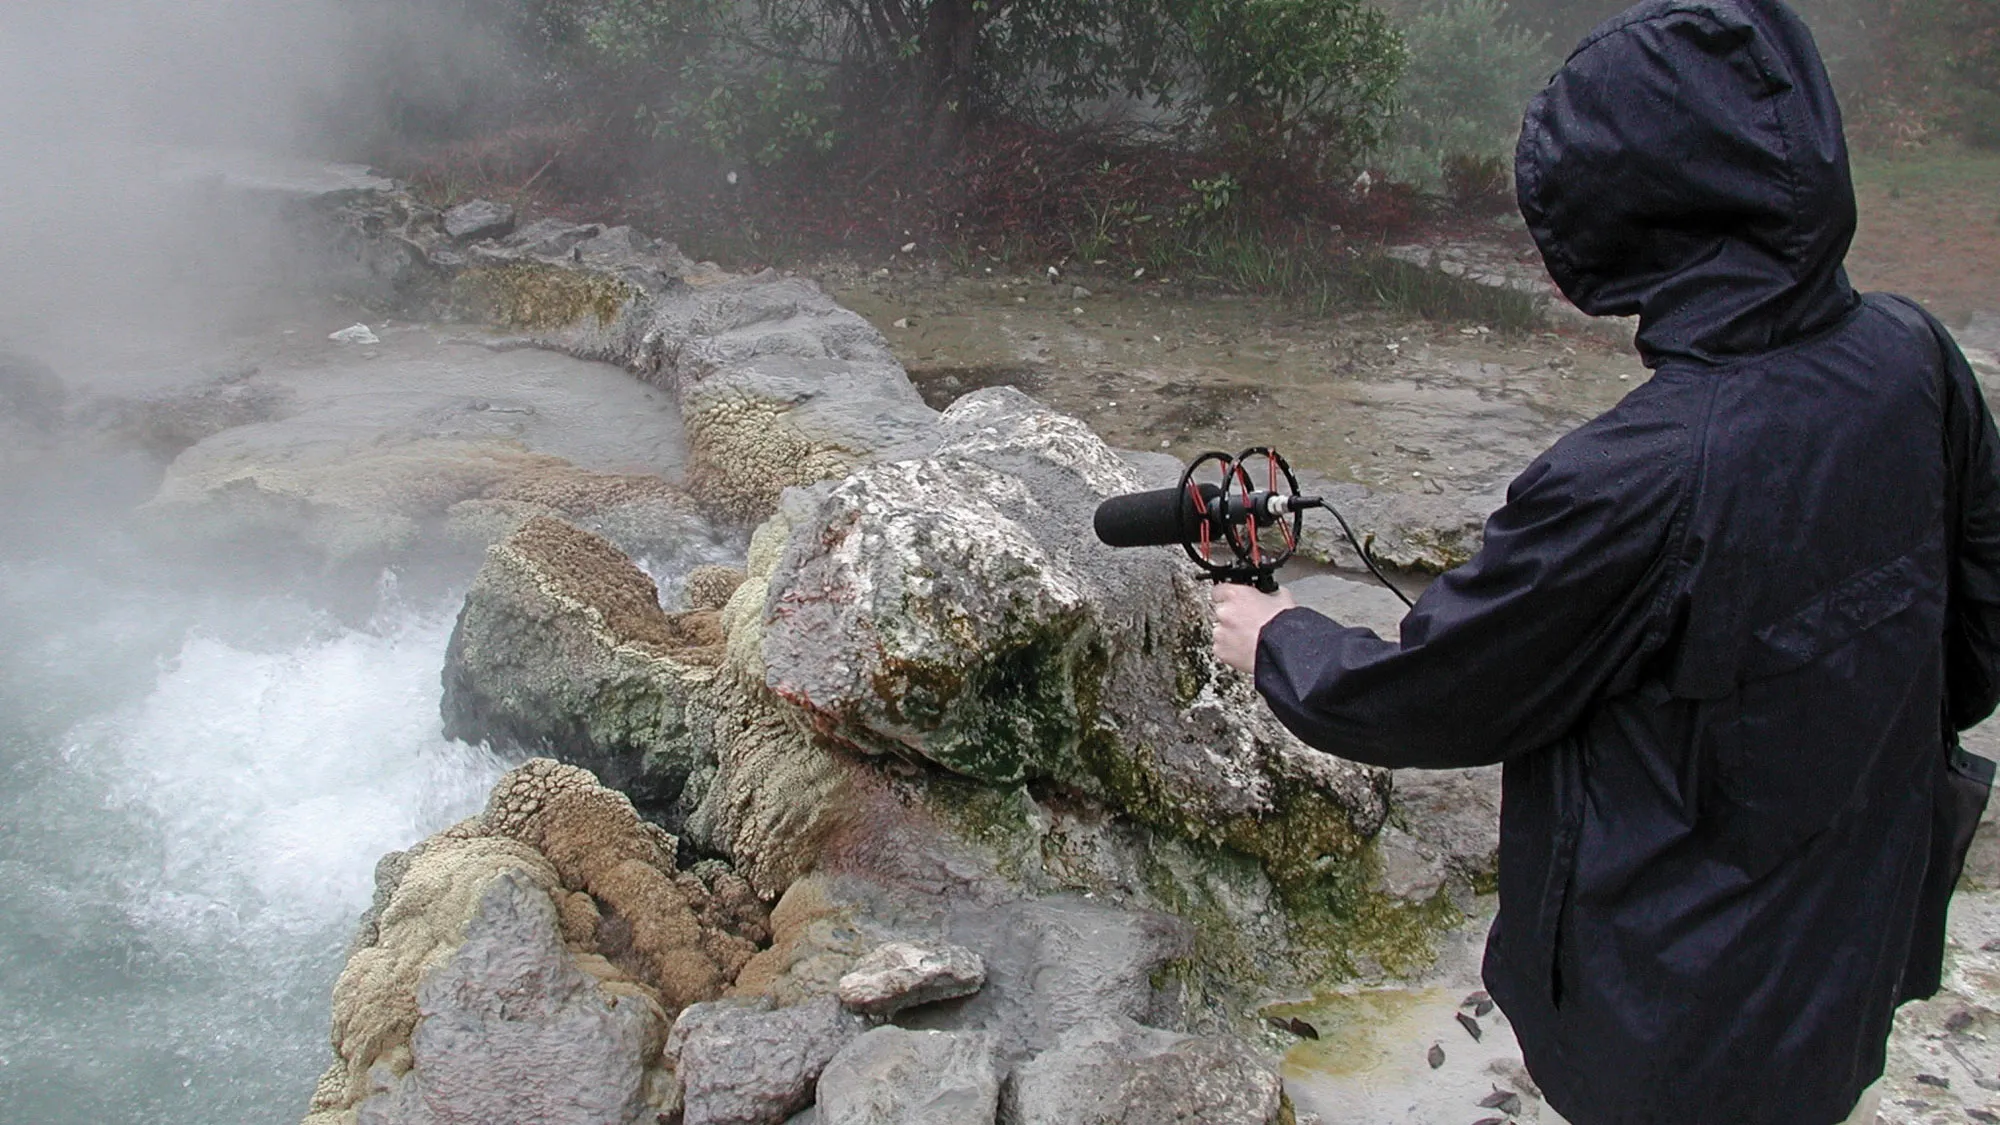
(943, 385)
(1930, 228)
(1367, 396)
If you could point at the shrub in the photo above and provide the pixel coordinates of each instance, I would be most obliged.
(1307, 81)
(1459, 104)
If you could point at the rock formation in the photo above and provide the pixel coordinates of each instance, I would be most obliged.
(929, 711)
(895, 1077)
(526, 964)
(1114, 1072)
(933, 709)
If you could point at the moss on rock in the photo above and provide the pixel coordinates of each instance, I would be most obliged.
(541, 296)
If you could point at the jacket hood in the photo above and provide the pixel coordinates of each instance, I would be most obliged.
(1687, 164)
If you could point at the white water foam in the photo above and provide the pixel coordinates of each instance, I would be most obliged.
(180, 875)
(276, 779)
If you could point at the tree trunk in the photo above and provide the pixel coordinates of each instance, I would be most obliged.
(950, 49)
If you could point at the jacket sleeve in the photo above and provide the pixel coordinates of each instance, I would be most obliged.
(1972, 627)
(1506, 653)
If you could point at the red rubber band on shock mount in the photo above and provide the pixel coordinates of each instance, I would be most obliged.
(1201, 509)
(1250, 524)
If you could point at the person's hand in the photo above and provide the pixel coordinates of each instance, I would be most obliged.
(1240, 614)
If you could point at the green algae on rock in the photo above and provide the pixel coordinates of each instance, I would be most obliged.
(541, 296)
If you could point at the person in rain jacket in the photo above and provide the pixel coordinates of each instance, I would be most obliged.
(1722, 637)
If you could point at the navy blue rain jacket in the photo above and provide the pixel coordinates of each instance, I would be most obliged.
(1723, 635)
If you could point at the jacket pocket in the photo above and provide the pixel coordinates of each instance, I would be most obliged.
(1835, 618)
(1843, 690)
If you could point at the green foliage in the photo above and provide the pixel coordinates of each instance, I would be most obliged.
(1954, 47)
(766, 80)
(1459, 104)
(747, 81)
(1045, 59)
(1213, 198)
(1309, 79)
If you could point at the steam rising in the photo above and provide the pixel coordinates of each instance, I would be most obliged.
(115, 108)
(197, 778)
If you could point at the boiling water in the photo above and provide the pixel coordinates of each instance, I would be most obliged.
(194, 789)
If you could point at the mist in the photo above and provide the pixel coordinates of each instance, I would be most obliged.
(121, 113)
(202, 761)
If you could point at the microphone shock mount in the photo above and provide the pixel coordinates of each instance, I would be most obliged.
(1244, 524)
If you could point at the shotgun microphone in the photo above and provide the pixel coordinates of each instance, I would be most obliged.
(1164, 517)
(1241, 528)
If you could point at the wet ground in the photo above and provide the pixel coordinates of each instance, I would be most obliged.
(1385, 401)
(1930, 227)
(1388, 401)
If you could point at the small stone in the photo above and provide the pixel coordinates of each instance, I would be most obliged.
(901, 322)
(1078, 293)
(477, 219)
(740, 1064)
(1470, 1025)
(900, 975)
(1410, 870)
(908, 246)
(1436, 1056)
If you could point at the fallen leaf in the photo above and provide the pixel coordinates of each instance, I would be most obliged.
(1436, 1056)
(1295, 1025)
(1470, 1025)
